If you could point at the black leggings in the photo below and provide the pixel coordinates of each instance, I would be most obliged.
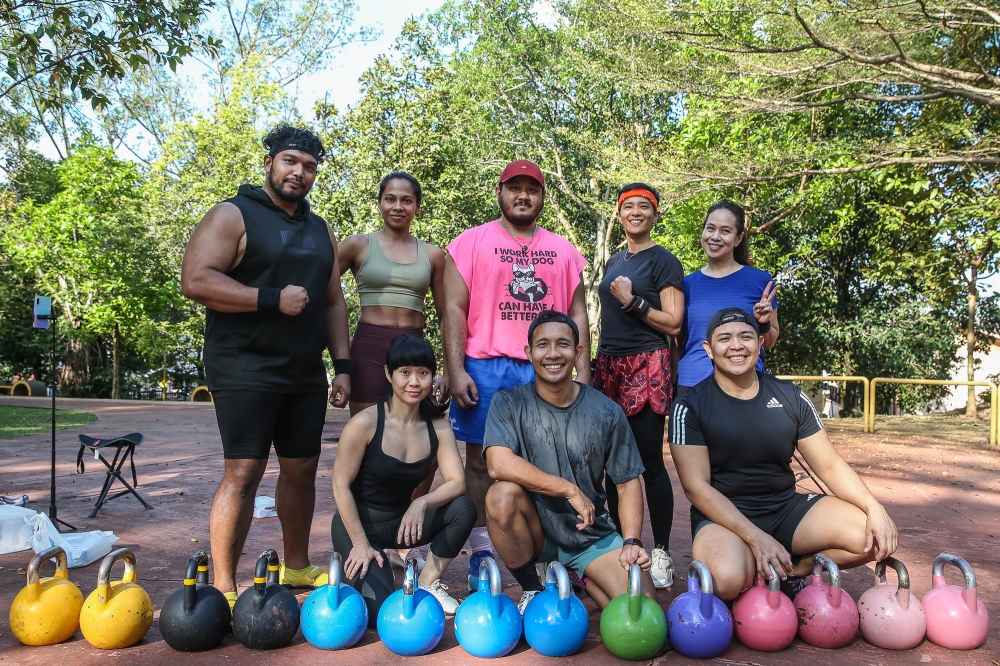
(647, 428)
(446, 529)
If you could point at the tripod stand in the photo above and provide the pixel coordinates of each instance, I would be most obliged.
(44, 318)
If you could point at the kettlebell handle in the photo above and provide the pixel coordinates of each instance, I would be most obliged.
(773, 583)
(104, 573)
(634, 580)
(195, 574)
(410, 577)
(556, 573)
(264, 574)
(698, 569)
(336, 570)
(54, 553)
(948, 558)
(489, 570)
(901, 573)
(821, 562)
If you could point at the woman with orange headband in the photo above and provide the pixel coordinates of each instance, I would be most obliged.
(642, 307)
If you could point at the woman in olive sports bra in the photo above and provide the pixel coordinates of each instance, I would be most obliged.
(393, 271)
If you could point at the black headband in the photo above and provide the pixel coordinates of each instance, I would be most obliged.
(550, 316)
(727, 316)
(294, 145)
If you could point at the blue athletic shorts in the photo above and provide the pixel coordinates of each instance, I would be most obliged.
(490, 375)
(579, 560)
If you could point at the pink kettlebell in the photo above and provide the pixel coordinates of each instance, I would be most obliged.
(765, 618)
(828, 617)
(892, 618)
(956, 618)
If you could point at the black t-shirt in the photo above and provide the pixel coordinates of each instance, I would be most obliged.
(650, 271)
(750, 442)
(577, 443)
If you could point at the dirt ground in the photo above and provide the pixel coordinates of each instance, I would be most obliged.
(940, 483)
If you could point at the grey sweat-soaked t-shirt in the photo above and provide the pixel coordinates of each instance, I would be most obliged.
(578, 443)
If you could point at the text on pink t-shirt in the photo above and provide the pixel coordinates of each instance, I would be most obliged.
(510, 283)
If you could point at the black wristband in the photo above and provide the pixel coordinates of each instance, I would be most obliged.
(631, 304)
(765, 327)
(268, 299)
(341, 366)
(632, 542)
(641, 309)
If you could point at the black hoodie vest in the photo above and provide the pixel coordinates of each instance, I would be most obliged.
(271, 351)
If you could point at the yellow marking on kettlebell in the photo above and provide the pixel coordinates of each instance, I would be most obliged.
(272, 567)
(190, 581)
(118, 614)
(47, 610)
(259, 581)
(202, 567)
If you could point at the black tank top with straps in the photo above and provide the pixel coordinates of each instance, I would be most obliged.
(387, 483)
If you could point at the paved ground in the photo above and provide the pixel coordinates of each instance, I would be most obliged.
(944, 495)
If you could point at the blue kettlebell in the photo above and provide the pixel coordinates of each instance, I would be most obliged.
(700, 624)
(555, 621)
(334, 616)
(488, 623)
(411, 621)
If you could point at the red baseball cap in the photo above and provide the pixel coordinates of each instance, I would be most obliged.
(522, 168)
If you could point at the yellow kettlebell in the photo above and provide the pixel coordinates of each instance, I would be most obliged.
(47, 610)
(117, 614)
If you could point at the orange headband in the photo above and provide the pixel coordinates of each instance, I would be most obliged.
(639, 192)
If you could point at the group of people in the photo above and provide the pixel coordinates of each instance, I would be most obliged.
(555, 442)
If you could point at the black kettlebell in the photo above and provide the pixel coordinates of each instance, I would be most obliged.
(266, 616)
(196, 617)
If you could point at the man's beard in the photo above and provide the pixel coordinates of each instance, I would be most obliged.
(284, 192)
(518, 219)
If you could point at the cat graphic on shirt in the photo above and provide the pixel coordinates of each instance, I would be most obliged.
(525, 286)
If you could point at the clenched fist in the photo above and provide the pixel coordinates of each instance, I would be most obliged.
(293, 300)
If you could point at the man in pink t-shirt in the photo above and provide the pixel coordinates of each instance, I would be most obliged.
(498, 277)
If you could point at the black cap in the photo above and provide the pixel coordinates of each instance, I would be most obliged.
(728, 315)
(550, 316)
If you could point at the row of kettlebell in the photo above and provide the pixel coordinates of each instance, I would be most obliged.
(825, 616)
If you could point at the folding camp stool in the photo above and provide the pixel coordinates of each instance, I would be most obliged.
(124, 450)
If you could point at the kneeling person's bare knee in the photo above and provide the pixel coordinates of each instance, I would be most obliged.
(502, 499)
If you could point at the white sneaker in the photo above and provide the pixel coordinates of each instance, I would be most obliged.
(525, 598)
(440, 591)
(662, 569)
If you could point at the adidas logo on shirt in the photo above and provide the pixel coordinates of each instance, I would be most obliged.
(773, 403)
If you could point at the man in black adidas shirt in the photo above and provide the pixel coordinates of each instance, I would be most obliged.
(732, 438)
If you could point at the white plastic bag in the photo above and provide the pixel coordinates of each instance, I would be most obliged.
(81, 549)
(15, 532)
(263, 507)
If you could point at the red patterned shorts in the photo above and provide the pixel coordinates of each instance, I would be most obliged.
(632, 381)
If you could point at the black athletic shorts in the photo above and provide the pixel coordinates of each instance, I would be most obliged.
(780, 523)
(250, 421)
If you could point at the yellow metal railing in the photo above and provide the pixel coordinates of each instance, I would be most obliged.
(937, 382)
(838, 378)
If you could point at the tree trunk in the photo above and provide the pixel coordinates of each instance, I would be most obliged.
(970, 340)
(115, 395)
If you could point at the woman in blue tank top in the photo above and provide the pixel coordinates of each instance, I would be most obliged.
(727, 280)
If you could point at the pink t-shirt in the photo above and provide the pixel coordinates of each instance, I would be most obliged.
(510, 283)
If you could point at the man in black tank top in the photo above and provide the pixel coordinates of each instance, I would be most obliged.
(266, 268)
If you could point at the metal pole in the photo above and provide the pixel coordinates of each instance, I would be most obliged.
(52, 370)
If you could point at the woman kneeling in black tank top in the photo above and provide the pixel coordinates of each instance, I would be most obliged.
(385, 452)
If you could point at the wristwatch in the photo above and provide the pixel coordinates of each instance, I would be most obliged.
(632, 542)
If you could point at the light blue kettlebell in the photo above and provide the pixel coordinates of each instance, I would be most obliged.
(488, 623)
(411, 621)
(555, 621)
(334, 616)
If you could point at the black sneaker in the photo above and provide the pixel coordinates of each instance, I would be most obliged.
(793, 585)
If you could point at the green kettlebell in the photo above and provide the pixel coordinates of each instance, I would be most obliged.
(633, 626)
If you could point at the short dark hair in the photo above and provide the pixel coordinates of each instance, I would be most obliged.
(741, 253)
(413, 350)
(554, 316)
(401, 175)
(637, 186)
(287, 134)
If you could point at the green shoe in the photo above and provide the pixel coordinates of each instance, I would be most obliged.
(311, 576)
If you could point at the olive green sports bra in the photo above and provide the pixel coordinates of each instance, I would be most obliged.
(382, 281)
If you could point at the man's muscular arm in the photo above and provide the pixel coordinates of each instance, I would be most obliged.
(338, 337)
(215, 248)
(578, 312)
(454, 332)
